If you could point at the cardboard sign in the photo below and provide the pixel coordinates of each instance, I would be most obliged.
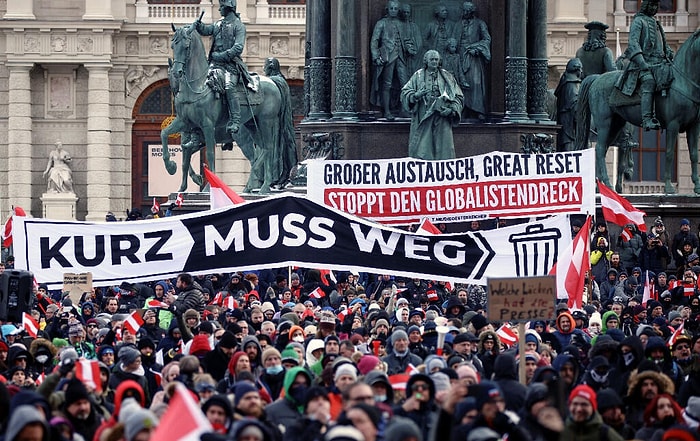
(522, 299)
(77, 284)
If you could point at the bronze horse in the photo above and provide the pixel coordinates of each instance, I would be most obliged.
(677, 112)
(202, 116)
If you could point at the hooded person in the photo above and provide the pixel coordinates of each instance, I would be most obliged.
(505, 375)
(566, 329)
(27, 422)
(630, 354)
(251, 346)
(533, 418)
(644, 385)
(419, 406)
(596, 376)
(250, 430)
(43, 352)
(611, 408)
(287, 410)
(219, 412)
(657, 351)
(125, 390)
(381, 387)
(216, 362)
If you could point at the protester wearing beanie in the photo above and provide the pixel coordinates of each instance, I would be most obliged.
(79, 409)
(612, 410)
(272, 377)
(400, 358)
(140, 421)
(584, 421)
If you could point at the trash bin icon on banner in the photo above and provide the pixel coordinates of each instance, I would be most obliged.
(536, 250)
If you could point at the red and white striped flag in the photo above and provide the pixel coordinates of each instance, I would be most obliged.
(133, 322)
(155, 303)
(507, 335)
(398, 381)
(230, 303)
(571, 267)
(317, 293)
(626, 234)
(411, 369)
(220, 194)
(155, 209)
(183, 420)
(619, 210)
(7, 229)
(218, 299)
(179, 200)
(40, 379)
(427, 228)
(672, 340)
(342, 314)
(88, 371)
(30, 325)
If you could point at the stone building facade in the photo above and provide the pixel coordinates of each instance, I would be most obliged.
(93, 74)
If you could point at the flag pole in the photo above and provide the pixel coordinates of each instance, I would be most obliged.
(521, 350)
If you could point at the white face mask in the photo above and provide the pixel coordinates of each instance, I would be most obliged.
(298, 339)
(629, 358)
(42, 359)
(599, 378)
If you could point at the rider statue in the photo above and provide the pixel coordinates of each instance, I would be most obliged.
(650, 61)
(226, 68)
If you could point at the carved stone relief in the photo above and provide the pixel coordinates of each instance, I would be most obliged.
(279, 47)
(58, 43)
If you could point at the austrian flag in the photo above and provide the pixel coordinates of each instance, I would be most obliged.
(317, 293)
(134, 322)
(153, 303)
(30, 325)
(88, 371)
(619, 210)
(507, 335)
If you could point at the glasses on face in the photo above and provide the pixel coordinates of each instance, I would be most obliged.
(91, 326)
(682, 347)
(419, 386)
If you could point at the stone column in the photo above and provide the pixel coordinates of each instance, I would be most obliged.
(19, 10)
(516, 61)
(98, 10)
(320, 62)
(98, 142)
(537, 59)
(345, 62)
(19, 138)
(682, 16)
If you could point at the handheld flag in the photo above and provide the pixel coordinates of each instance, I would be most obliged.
(220, 194)
(179, 200)
(30, 325)
(619, 210)
(7, 229)
(133, 322)
(88, 371)
(183, 420)
(153, 303)
(155, 209)
(317, 293)
(427, 228)
(507, 336)
(571, 267)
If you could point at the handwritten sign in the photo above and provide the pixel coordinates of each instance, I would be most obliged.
(522, 299)
(77, 284)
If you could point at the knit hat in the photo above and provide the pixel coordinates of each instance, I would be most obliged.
(685, 222)
(75, 329)
(146, 342)
(290, 355)
(485, 392)
(139, 420)
(345, 369)
(483, 434)
(367, 364)
(228, 340)
(200, 345)
(398, 334)
(691, 413)
(75, 391)
(584, 391)
(400, 428)
(608, 399)
(479, 321)
(269, 352)
(343, 433)
(240, 389)
(315, 392)
(441, 381)
(68, 353)
(536, 392)
(673, 315)
(128, 355)
(207, 327)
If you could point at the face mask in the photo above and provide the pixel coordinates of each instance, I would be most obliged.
(380, 398)
(274, 370)
(599, 378)
(42, 359)
(298, 339)
(629, 358)
(659, 361)
(298, 393)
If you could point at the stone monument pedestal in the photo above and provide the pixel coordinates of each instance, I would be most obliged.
(60, 206)
(191, 202)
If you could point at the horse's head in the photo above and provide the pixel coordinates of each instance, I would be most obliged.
(180, 44)
(174, 80)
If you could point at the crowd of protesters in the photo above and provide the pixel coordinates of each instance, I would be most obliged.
(303, 354)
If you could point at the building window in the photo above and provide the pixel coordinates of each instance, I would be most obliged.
(650, 157)
(158, 102)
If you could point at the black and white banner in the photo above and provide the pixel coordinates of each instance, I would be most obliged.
(277, 232)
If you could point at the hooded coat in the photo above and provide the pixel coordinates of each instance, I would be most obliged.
(426, 416)
(20, 418)
(128, 388)
(286, 410)
(505, 374)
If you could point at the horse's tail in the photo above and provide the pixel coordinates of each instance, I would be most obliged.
(583, 113)
(287, 140)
